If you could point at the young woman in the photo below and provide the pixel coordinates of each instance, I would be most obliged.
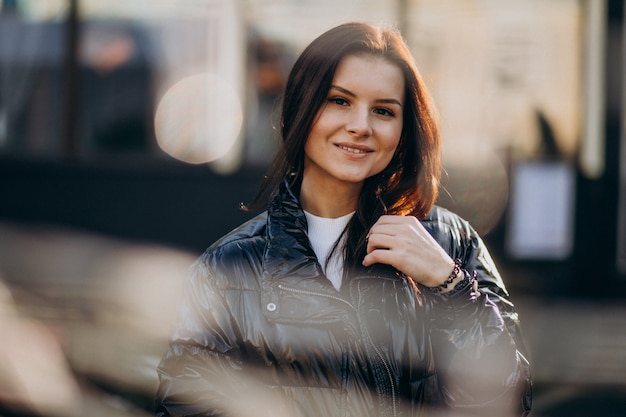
(351, 294)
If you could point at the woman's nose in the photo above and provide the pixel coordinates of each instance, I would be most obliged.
(359, 123)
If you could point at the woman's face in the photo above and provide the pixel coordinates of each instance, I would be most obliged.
(355, 134)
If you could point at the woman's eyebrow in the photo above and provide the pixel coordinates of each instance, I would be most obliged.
(390, 101)
(351, 94)
(343, 90)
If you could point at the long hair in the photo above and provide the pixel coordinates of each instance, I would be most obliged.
(410, 182)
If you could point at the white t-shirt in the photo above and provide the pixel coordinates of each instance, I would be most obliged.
(323, 233)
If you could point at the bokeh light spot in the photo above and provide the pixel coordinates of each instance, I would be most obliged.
(476, 185)
(198, 119)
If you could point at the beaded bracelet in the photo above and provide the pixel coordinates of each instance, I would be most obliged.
(458, 264)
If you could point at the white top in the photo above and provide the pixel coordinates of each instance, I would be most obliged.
(323, 233)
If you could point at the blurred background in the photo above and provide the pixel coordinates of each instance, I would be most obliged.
(131, 131)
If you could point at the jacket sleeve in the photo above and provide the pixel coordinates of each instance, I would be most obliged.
(201, 374)
(477, 342)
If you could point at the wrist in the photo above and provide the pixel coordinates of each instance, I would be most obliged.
(455, 276)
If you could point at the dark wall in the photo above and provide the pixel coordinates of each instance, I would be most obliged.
(170, 203)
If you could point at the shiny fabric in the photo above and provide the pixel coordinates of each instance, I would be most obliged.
(262, 332)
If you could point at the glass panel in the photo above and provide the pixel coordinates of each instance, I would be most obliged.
(31, 78)
(506, 78)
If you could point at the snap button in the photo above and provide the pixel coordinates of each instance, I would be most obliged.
(271, 307)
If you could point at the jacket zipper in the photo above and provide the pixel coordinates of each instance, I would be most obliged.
(332, 297)
(299, 291)
(387, 370)
(380, 355)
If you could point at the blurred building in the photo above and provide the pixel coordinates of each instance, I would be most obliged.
(102, 101)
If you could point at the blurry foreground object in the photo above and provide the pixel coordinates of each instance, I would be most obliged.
(33, 372)
(89, 321)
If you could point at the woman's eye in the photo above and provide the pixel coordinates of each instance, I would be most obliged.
(339, 101)
(384, 112)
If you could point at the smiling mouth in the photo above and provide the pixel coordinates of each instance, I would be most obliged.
(353, 150)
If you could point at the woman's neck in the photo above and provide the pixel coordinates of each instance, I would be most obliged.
(330, 201)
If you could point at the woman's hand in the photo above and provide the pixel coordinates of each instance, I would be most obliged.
(402, 242)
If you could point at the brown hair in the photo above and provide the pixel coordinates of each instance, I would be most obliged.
(410, 182)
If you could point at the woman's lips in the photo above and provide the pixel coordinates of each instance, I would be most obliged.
(355, 149)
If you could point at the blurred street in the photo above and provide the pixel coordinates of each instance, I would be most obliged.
(578, 355)
(91, 317)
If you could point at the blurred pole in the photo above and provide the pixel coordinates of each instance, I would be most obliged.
(403, 16)
(621, 209)
(592, 147)
(71, 72)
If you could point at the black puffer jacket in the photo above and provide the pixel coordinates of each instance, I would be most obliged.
(263, 333)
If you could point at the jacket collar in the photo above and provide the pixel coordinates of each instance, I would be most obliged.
(288, 253)
(288, 257)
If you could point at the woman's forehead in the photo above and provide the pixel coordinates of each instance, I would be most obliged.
(372, 74)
